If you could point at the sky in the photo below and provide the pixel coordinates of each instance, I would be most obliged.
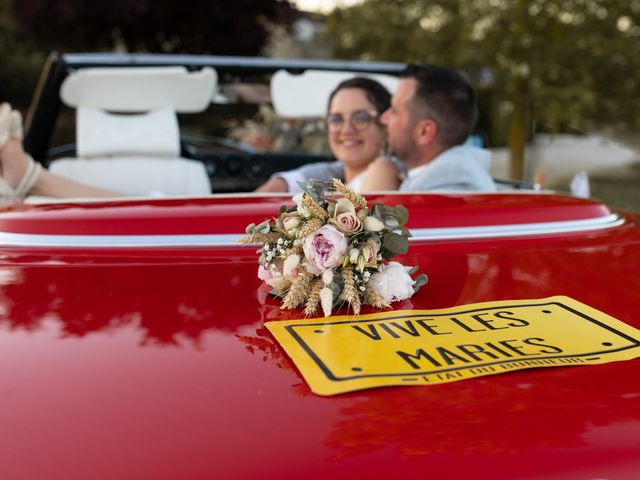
(324, 6)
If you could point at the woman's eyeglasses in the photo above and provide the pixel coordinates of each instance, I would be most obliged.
(359, 120)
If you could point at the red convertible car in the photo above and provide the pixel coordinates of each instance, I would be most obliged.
(133, 332)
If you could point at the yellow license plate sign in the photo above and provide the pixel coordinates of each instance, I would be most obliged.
(426, 347)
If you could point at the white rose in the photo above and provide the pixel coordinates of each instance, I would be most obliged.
(290, 221)
(343, 206)
(264, 274)
(273, 277)
(279, 284)
(290, 265)
(392, 282)
(372, 224)
(302, 209)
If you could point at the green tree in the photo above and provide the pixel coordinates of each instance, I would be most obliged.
(541, 65)
(238, 27)
(20, 62)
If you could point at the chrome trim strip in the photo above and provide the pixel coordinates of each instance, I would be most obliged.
(599, 223)
(228, 240)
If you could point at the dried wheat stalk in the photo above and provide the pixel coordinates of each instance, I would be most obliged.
(314, 297)
(297, 293)
(349, 290)
(349, 194)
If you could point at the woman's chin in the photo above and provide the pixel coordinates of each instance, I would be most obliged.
(356, 165)
(354, 157)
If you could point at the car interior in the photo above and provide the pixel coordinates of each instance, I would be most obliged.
(175, 130)
(127, 133)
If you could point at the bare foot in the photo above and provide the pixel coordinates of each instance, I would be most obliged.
(13, 161)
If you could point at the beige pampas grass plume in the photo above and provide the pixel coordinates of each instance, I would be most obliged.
(326, 301)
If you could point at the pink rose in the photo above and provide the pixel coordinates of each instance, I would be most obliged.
(345, 217)
(324, 249)
(392, 282)
(370, 251)
(264, 274)
(273, 277)
(348, 223)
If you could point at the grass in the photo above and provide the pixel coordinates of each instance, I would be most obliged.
(617, 187)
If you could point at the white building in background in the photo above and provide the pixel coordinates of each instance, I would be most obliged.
(555, 158)
(305, 40)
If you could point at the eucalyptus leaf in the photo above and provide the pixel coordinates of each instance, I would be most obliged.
(405, 232)
(390, 221)
(264, 227)
(316, 189)
(336, 288)
(331, 208)
(396, 243)
(379, 211)
(282, 209)
(386, 253)
(420, 281)
(250, 228)
(401, 214)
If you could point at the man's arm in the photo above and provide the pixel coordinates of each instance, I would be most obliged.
(288, 181)
(274, 184)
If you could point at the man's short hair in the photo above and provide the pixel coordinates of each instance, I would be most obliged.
(444, 96)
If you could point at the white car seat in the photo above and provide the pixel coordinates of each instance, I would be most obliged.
(306, 95)
(127, 134)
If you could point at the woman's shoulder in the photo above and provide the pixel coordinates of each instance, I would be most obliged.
(382, 174)
(388, 166)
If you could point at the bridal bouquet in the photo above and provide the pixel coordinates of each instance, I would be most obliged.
(327, 251)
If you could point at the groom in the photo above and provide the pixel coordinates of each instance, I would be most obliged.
(432, 113)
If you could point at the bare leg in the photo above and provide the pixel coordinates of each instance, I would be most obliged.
(14, 162)
(52, 185)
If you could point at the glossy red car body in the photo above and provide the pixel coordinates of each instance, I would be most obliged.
(133, 345)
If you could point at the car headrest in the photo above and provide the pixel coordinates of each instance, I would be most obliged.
(102, 134)
(139, 89)
(306, 95)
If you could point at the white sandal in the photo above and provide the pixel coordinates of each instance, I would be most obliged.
(11, 128)
(29, 178)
